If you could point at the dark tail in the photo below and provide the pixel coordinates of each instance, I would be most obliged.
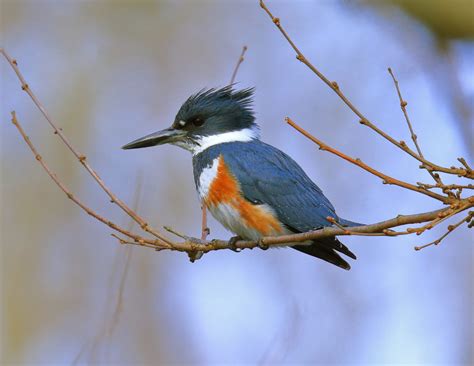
(326, 250)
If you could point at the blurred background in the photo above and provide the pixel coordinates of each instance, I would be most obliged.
(111, 71)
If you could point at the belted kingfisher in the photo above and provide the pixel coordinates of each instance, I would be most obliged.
(250, 187)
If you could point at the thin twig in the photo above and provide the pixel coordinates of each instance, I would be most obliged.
(414, 137)
(363, 119)
(448, 186)
(403, 105)
(466, 165)
(80, 157)
(205, 231)
(239, 61)
(69, 194)
(385, 178)
(192, 245)
(347, 230)
(174, 232)
(442, 216)
(451, 228)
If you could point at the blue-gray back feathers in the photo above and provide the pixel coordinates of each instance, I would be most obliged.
(267, 175)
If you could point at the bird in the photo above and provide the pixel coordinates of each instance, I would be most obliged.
(252, 188)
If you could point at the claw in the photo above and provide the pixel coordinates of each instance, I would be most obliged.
(262, 245)
(195, 255)
(232, 243)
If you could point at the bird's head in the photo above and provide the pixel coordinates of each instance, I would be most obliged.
(207, 118)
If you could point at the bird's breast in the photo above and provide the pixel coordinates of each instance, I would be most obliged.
(220, 191)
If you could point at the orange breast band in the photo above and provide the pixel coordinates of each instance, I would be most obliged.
(225, 189)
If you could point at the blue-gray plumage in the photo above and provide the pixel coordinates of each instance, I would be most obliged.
(251, 187)
(269, 176)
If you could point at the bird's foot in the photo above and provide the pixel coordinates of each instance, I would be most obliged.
(195, 255)
(262, 245)
(232, 243)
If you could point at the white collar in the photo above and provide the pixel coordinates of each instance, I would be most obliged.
(244, 135)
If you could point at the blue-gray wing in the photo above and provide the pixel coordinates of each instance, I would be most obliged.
(267, 175)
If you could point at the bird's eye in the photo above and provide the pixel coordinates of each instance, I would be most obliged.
(197, 121)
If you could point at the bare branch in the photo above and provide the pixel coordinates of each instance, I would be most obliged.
(448, 186)
(239, 61)
(451, 228)
(196, 247)
(70, 195)
(192, 245)
(80, 157)
(462, 172)
(385, 178)
(380, 227)
(205, 231)
(403, 105)
(466, 165)
(414, 137)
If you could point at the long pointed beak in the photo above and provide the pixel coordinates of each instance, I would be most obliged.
(165, 136)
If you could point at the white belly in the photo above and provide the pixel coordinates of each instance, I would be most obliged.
(230, 218)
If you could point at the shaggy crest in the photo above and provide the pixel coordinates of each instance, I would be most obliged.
(236, 105)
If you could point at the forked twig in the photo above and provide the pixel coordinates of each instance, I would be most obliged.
(451, 228)
(385, 178)
(194, 246)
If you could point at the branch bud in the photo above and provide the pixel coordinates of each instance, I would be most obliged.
(300, 57)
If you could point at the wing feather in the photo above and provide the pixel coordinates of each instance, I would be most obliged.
(267, 175)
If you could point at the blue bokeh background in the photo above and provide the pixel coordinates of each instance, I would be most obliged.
(109, 72)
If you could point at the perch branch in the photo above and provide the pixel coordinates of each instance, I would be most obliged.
(191, 245)
(380, 227)
(194, 246)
